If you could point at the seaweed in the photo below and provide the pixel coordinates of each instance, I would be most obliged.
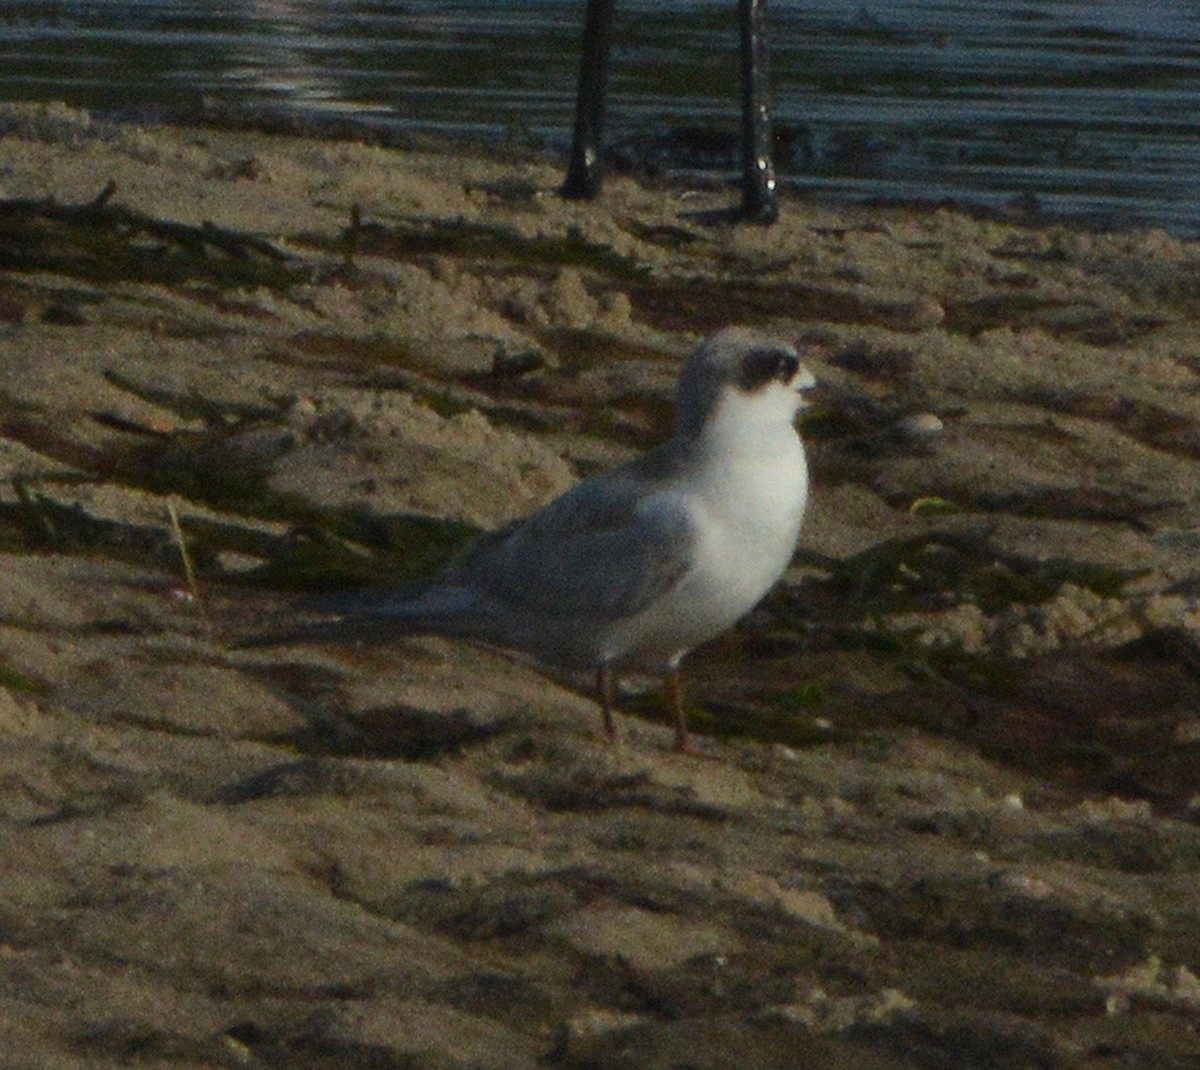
(344, 547)
(938, 568)
(103, 242)
(413, 237)
(1145, 421)
(16, 682)
(790, 716)
(326, 547)
(1060, 318)
(36, 521)
(321, 548)
(192, 405)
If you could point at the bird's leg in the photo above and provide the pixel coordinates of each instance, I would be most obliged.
(673, 689)
(585, 167)
(759, 199)
(604, 691)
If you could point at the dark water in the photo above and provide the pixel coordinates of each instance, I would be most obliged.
(1091, 107)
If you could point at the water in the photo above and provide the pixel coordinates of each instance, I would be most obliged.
(1091, 107)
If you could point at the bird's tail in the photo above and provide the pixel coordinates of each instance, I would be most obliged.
(373, 617)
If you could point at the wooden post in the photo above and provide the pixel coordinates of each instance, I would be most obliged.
(760, 203)
(585, 170)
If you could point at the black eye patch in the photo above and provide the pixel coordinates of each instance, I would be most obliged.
(762, 366)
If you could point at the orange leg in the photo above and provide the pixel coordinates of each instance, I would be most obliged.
(604, 692)
(673, 688)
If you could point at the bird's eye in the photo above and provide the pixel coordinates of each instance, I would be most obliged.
(789, 365)
(762, 366)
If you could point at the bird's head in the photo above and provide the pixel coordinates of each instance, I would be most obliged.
(762, 375)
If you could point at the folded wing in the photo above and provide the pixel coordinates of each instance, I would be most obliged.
(604, 550)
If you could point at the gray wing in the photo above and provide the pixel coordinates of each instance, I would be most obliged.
(607, 548)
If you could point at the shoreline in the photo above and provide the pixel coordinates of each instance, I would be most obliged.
(1018, 209)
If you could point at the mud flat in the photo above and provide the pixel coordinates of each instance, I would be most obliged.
(944, 811)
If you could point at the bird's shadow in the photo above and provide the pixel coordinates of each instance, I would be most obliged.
(333, 729)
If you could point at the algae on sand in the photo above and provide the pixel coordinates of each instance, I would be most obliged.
(105, 242)
(407, 237)
(914, 572)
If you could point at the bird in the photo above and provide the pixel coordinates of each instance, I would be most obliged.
(636, 565)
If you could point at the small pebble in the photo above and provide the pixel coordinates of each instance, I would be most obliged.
(920, 425)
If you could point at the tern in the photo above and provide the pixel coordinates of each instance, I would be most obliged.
(639, 564)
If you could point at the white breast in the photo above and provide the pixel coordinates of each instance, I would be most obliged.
(747, 497)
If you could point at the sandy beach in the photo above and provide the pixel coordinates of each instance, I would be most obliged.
(944, 809)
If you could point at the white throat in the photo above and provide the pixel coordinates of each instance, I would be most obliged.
(751, 428)
(751, 469)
